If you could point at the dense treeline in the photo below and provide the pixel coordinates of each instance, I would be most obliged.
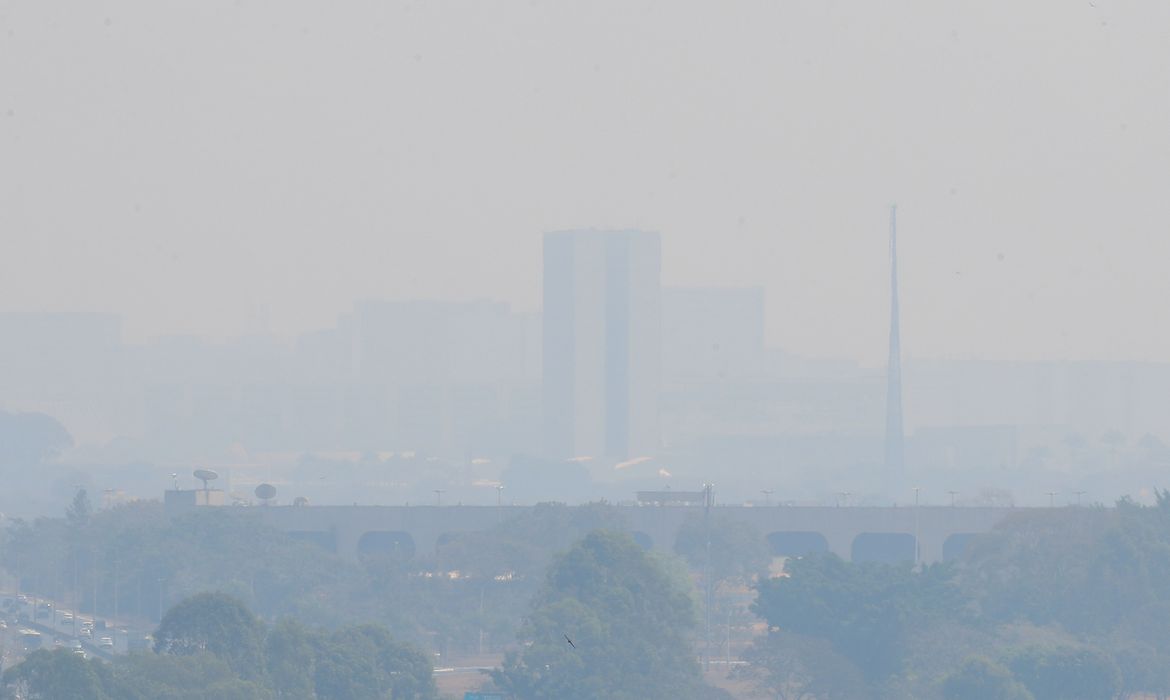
(134, 561)
(610, 621)
(1063, 603)
(1066, 604)
(211, 647)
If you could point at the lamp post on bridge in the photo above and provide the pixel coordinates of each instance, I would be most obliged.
(1052, 497)
(953, 494)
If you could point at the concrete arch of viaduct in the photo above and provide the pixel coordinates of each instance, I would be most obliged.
(855, 532)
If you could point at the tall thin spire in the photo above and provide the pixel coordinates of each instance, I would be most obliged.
(894, 435)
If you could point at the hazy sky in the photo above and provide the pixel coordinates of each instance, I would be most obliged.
(208, 167)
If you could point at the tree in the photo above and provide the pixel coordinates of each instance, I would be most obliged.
(217, 624)
(364, 661)
(789, 666)
(29, 439)
(291, 657)
(194, 677)
(866, 611)
(737, 548)
(981, 679)
(1066, 673)
(630, 625)
(79, 511)
(55, 675)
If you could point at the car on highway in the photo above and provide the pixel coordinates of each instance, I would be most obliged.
(106, 643)
(66, 618)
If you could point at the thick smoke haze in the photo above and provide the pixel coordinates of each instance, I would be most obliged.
(229, 168)
(528, 349)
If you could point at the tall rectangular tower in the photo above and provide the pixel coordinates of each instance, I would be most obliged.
(601, 343)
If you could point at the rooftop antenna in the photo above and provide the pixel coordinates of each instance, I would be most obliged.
(206, 475)
(894, 435)
(265, 492)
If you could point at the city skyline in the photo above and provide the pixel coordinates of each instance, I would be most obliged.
(1029, 179)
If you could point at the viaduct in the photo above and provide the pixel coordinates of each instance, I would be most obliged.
(853, 533)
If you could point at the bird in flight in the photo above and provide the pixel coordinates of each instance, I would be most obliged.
(570, 641)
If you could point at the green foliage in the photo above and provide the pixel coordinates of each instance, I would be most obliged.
(1078, 593)
(1044, 567)
(866, 611)
(195, 677)
(30, 439)
(146, 556)
(788, 666)
(630, 622)
(1066, 673)
(982, 679)
(54, 675)
(79, 511)
(212, 648)
(365, 662)
(738, 550)
(216, 624)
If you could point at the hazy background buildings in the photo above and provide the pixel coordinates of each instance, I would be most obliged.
(399, 398)
(309, 240)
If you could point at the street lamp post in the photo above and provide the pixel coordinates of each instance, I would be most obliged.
(1078, 494)
(438, 497)
(1052, 497)
(160, 598)
(767, 496)
(953, 494)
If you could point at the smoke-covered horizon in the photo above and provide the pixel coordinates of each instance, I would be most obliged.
(239, 168)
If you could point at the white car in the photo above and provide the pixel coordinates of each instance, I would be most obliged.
(106, 643)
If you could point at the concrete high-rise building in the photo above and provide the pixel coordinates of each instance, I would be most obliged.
(602, 341)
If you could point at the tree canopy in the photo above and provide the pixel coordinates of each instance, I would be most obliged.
(629, 623)
(211, 648)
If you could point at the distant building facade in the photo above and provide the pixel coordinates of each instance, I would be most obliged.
(601, 343)
(712, 335)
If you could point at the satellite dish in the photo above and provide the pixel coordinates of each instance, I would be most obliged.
(205, 475)
(300, 501)
(265, 492)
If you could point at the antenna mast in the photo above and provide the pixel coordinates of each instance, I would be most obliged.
(894, 435)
